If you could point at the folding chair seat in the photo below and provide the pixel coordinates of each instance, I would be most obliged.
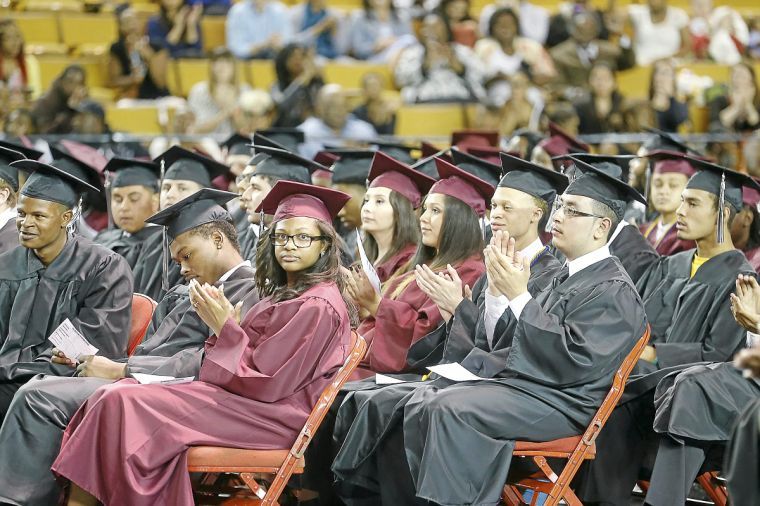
(574, 449)
(142, 312)
(278, 465)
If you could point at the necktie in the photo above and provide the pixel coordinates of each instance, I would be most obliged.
(560, 278)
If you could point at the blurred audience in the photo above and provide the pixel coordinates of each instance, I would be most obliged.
(316, 25)
(560, 23)
(298, 82)
(670, 112)
(55, 109)
(659, 31)
(378, 32)
(462, 25)
(177, 28)
(19, 72)
(737, 110)
(19, 123)
(257, 28)
(602, 110)
(534, 20)
(376, 109)
(717, 33)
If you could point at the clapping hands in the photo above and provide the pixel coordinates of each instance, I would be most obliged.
(507, 270)
(212, 306)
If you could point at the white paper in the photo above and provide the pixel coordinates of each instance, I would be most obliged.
(70, 341)
(153, 379)
(369, 269)
(382, 379)
(455, 372)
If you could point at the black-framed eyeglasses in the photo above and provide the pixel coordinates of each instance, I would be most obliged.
(299, 240)
(572, 212)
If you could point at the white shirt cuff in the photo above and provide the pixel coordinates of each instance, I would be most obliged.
(752, 339)
(518, 304)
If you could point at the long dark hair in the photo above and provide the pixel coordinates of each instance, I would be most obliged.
(406, 229)
(271, 278)
(281, 64)
(655, 66)
(503, 11)
(164, 15)
(754, 229)
(370, 12)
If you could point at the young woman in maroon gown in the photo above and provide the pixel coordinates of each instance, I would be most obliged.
(259, 379)
(389, 222)
(451, 236)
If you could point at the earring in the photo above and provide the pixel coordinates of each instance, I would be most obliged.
(321, 254)
(218, 246)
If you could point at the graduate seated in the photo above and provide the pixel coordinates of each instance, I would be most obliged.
(261, 374)
(204, 245)
(686, 297)
(55, 276)
(133, 188)
(451, 238)
(745, 230)
(9, 185)
(449, 442)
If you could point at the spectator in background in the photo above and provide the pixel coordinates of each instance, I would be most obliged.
(57, 107)
(213, 102)
(255, 111)
(503, 53)
(602, 110)
(136, 68)
(522, 142)
(720, 33)
(575, 57)
(462, 25)
(257, 28)
(177, 28)
(376, 109)
(738, 110)
(19, 123)
(332, 123)
(520, 111)
(19, 73)
(298, 82)
(315, 25)
(559, 24)
(753, 46)
(90, 119)
(437, 69)
(534, 20)
(670, 112)
(659, 31)
(378, 32)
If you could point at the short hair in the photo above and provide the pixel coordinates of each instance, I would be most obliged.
(605, 211)
(11, 194)
(732, 211)
(224, 227)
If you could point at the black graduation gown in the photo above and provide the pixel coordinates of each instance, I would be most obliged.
(130, 246)
(239, 217)
(742, 464)
(149, 268)
(87, 283)
(633, 251)
(32, 432)
(248, 241)
(8, 236)
(458, 439)
(691, 323)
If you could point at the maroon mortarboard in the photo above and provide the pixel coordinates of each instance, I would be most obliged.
(665, 161)
(750, 196)
(387, 172)
(462, 185)
(429, 150)
(328, 160)
(473, 138)
(489, 154)
(560, 142)
(288, 199)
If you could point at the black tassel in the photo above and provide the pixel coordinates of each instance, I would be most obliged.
(721, 206)
(165, 262)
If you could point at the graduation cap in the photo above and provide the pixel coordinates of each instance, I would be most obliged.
(387, 172)
(532, 179)
(462, 185)
(750, 197)
(285, 165)
(398, 150)
(288, 199)
(52, 184)
(426, 164)
(132, 172)
(616, 166)
(7, 173)
(260, 139)
(478, 167)
(490, 155)
(288, 137)
(429, 150)
(326, 158)
(182, 164)
(237, 144)
(468, 138)
(603, 186)
(724, 183)
(76, 166)
(29, 153)
(669, 162)
(353, 165)
(560, 142)
(662, 140)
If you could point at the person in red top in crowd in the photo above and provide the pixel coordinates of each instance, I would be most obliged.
(745, 229)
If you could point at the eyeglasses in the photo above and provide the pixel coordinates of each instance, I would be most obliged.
(299, 240)
(571, 212)
(243, 179)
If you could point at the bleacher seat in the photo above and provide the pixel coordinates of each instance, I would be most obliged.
(51, 67)
(421, 120)
(89, 30)
(349, 75)
(54, 5)
(141, 119)
(212, 32)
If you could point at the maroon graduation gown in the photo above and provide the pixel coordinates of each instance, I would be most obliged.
(670, 244)
(386, 269)
(258, 383)
(753, 257)
(402, 320)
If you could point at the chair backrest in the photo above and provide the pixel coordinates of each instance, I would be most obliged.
(142, 312)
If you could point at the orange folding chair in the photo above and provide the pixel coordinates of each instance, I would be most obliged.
(574, 449)
(142, 311)
(714, 487)
(279, 465)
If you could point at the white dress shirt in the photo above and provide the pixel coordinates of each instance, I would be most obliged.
(226, 275)
(7, 215)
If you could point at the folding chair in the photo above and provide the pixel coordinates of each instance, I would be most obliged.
(714, 487)
(574, 449)
(142, 311)
(281, 464)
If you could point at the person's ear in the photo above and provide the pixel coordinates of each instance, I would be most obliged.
(154, 202)
(218, 239)
(538, 214)
(66, 218)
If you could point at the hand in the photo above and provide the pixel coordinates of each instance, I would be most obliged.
(212, 306)
(749, 360)
(361, 290)
(745, 303)
(509, 274)
(93, 366)
(181, 17)
(58, 357)
(275, 41)
(445, 288)
(194, 15)
(468, 292)
(76, 97)
(649, 354)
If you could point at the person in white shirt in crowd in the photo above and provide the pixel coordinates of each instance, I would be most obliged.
(660, 31)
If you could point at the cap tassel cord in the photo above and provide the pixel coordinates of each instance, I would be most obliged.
(109, 209)
(721, 206)
(165, 261)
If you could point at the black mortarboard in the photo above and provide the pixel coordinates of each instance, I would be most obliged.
(52, 183)
(396, 150)
(353, 166)
(426, 164)
(182, 164)
(285, 165)
(7, 173)
(237, 144)
(203, 206)
(616, 166)
(666, 141)
(532, 179)
(29, 153)
(603, 187)
(288, 137)
(132, 172)
(262, 140)
(484, 170)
